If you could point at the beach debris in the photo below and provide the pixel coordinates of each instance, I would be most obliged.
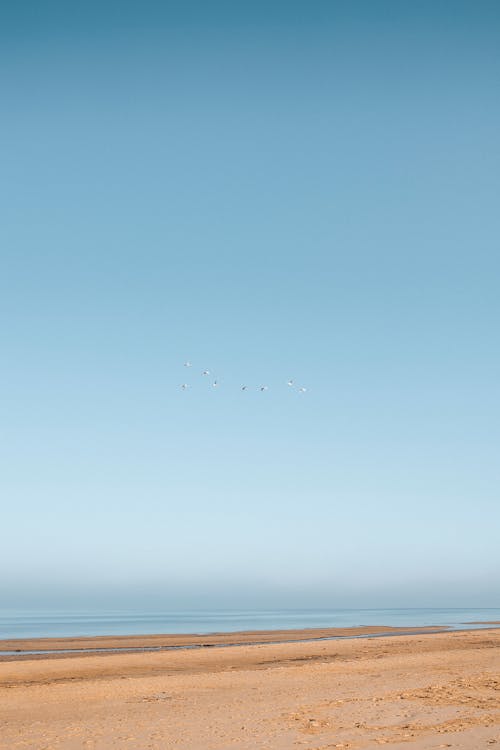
(156, 697)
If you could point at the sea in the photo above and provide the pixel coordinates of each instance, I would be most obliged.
(15, 624)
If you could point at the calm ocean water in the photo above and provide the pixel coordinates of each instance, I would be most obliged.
(51, 624)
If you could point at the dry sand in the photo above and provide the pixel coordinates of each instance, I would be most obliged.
(409, 692)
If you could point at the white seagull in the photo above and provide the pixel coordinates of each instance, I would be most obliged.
(206, 372)
(215, 384)
(187, 364)
(244, 387)
(263, 387)
(290, 383)
(302, 390)
(184, 386)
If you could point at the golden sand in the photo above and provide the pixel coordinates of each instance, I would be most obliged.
(409, 692)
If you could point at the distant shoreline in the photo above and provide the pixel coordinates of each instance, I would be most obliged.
(22, 648)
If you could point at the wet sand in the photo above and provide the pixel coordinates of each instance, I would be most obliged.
(193, 640)
(418, 691)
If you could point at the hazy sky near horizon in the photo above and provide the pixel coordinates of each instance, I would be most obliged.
(270, 190)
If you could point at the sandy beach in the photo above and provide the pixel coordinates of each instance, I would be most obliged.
(421, 691)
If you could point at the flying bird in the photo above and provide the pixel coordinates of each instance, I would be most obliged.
(290, 383)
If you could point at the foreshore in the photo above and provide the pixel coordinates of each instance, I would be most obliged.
(312, 689)
(91, 644)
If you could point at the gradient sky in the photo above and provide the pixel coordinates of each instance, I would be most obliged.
(271, 190)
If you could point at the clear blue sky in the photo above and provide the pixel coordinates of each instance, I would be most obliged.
(272, 190)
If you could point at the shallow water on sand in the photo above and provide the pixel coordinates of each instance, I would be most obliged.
(62, 624)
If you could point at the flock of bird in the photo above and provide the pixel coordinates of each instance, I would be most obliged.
(262, 388)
